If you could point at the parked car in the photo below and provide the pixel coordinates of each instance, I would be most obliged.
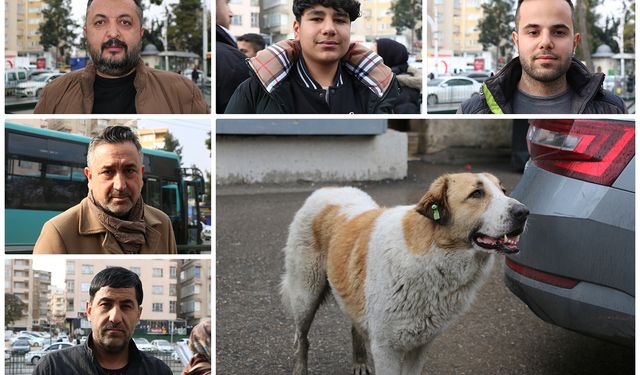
(615, 84)
(34, 356)
(162, 346)
(575, 268)
(32, 340)
(35, 86)
(8, 334)
(12, 77)
(478, 75)
(206, 232)
(20, 346)
(33, 73)
(7, 354)
(143, 344)
(187, 74)
(454, 89)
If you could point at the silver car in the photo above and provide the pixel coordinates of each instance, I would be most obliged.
(34, 356)
(576, 263)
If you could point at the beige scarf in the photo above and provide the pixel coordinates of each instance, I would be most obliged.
(129, 233)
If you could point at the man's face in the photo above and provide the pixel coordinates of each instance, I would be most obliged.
(246, 48)
(223, 13)
(115, 176)
(324, 34)
(114, 36)
(114, 313)
(545, 39)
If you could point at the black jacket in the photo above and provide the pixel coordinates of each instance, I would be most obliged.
(79, 360)
(589, 96)
(231, 68)
(252, 96)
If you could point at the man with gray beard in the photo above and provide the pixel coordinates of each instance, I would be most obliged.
(117, 80)
(545, 78)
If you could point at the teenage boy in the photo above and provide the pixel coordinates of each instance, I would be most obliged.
(320, 71)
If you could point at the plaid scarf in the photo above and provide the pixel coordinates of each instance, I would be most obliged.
(273, 64)
(129, 233)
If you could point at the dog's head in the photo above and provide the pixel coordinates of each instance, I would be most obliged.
(472, 209)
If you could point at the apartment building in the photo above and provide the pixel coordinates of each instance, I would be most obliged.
(58, 306)
(246, 17)
(33, 289)
(159, 285)
(194, 289)
(374, 22)
(153, 138)
(22, 21)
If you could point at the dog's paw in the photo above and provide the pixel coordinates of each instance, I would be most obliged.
(360, 369)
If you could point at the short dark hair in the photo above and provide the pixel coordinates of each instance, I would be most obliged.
(116, 277)
(351, 7)
(573, 13)
(112, 135)
(138, 8)
(256, 40)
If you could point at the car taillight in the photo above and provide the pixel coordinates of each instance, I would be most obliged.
(591, 150)
(547, 278)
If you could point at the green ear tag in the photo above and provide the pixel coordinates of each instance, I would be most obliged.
(436, 213)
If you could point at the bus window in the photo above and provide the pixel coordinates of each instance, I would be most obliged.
(152, 192)
(23, 168)
(58, 172)
(22, 184)
(27, 145)
(67, 151)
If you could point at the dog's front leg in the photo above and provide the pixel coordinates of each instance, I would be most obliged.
(386, 361)
(414, 361)
(359, 353)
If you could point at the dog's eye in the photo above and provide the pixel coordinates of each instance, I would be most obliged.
(477, 194)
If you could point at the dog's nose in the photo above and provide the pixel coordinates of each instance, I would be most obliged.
(519, 212)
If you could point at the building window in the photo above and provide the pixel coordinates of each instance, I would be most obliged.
(172, 307)
(84, 287)
(158, 289)
(173, 290)
(71, 267)
(236, 20)
(135, 270)
(87, 269)
(70, 286)
(172, 272)
(255, 19)
(156, 307)
(157, 272)
(70, 305)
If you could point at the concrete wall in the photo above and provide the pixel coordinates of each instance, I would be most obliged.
(281, 159)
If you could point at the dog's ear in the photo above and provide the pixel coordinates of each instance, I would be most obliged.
(434, 204)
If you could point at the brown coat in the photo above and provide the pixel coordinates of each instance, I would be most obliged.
(157, 91)
(78, 231)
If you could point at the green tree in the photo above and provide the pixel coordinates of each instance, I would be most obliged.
(153, 35)
(14, 309)
(58, 28)
(406, 14)
(496, 26)
(173, 144)
(185, 29)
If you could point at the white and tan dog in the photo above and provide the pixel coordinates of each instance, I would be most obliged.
(403, 274)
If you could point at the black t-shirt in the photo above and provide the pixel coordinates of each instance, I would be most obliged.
(114, 95)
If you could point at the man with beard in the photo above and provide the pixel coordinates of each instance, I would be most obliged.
(117, 80)
(114, 309)
(545, 78)
(112, 219)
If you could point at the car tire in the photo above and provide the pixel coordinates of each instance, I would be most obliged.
(35, 360)
(432, 99)
(474, 94)
(38, 93)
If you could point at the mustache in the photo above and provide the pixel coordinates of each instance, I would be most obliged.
(119, 194)
(117, 326)
(546, 53)
(114, 42)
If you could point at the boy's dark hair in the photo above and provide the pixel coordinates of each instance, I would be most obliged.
(112, 135)
(116, 277)
(351, 7)
(573, 13)
(256, 40)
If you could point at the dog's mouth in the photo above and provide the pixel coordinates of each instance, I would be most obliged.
(506, 244)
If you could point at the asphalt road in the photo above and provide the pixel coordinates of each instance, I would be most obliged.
(499, 335)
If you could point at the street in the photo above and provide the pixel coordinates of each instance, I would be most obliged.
(498, 335)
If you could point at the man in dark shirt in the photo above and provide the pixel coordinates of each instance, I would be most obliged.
(114, 308)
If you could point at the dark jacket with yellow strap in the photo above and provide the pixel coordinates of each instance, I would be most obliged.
(589, 96)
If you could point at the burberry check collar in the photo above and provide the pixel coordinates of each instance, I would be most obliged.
(273, 64)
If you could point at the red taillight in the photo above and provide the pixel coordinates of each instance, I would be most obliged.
(547, 278)
(591, 150)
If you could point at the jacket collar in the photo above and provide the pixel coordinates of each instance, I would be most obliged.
(89, 226)
(273, 64)
(305, 78)
(498, 89)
